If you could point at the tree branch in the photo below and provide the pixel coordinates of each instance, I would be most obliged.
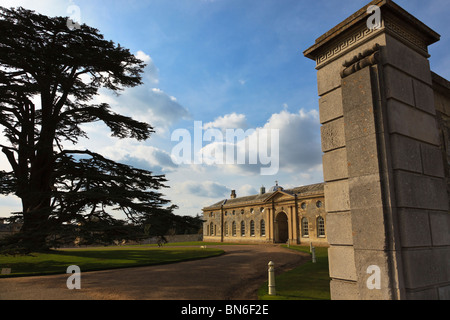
(11, 159)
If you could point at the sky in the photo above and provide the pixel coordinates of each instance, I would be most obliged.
(216, 65)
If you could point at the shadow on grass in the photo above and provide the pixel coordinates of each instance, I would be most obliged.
(99, 259)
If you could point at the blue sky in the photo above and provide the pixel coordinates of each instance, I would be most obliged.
(229, 64)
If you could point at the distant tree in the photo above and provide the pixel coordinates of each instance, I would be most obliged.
(160, 224)
(188, 224)
(49, 74)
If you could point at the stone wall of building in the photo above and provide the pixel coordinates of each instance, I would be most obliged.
(441, 90)
(384, 169)
(275, 217)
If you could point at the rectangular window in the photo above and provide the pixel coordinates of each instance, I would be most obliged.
(263, 228)
(320, 227)
(305, 228)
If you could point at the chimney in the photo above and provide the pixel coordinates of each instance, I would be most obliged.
(233, 194)
(262, 190)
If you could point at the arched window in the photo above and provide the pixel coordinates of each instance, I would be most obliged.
(242, 229)
(320, 227)
(226, 229)
(305, 228)
(252, 228)
(233, 229)
(211, 228)
(263, 228)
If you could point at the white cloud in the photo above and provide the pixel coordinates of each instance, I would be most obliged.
(151, 74)
(147, 103)
(139, 155)
(47, 7)
(298, 149)
(299, 139)
(151, 104)
(8, 205)
(246, 190)
(229, 121)
(208, 189)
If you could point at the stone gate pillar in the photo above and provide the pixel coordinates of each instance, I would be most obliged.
(386, 194)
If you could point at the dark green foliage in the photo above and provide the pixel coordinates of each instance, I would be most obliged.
(67, 193)
(162, 223)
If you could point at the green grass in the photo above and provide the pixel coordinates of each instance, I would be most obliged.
(105, 258)
(309, 281)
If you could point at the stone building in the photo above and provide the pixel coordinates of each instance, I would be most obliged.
(277, 216)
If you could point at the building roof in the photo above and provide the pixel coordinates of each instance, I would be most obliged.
(305, 191)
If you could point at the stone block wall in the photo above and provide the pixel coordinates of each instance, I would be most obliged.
(441, 90)
(385, 144)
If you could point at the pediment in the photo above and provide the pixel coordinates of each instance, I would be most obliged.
(279, 196)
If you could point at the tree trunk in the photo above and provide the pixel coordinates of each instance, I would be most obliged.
(36, 201)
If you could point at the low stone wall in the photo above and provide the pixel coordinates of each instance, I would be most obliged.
(316, 242)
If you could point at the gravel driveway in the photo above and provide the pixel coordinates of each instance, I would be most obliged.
(236, 275)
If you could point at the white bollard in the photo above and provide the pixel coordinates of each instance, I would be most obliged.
(272, 291)
(313, 251)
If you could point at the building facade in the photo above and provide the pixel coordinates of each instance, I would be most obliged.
(296, 216)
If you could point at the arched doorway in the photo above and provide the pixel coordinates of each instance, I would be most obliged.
(282, 235)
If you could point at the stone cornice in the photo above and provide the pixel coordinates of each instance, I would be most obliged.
(353, 32)
(340, 46)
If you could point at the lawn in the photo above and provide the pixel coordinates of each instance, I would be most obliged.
(309, 281)
(94, 259)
